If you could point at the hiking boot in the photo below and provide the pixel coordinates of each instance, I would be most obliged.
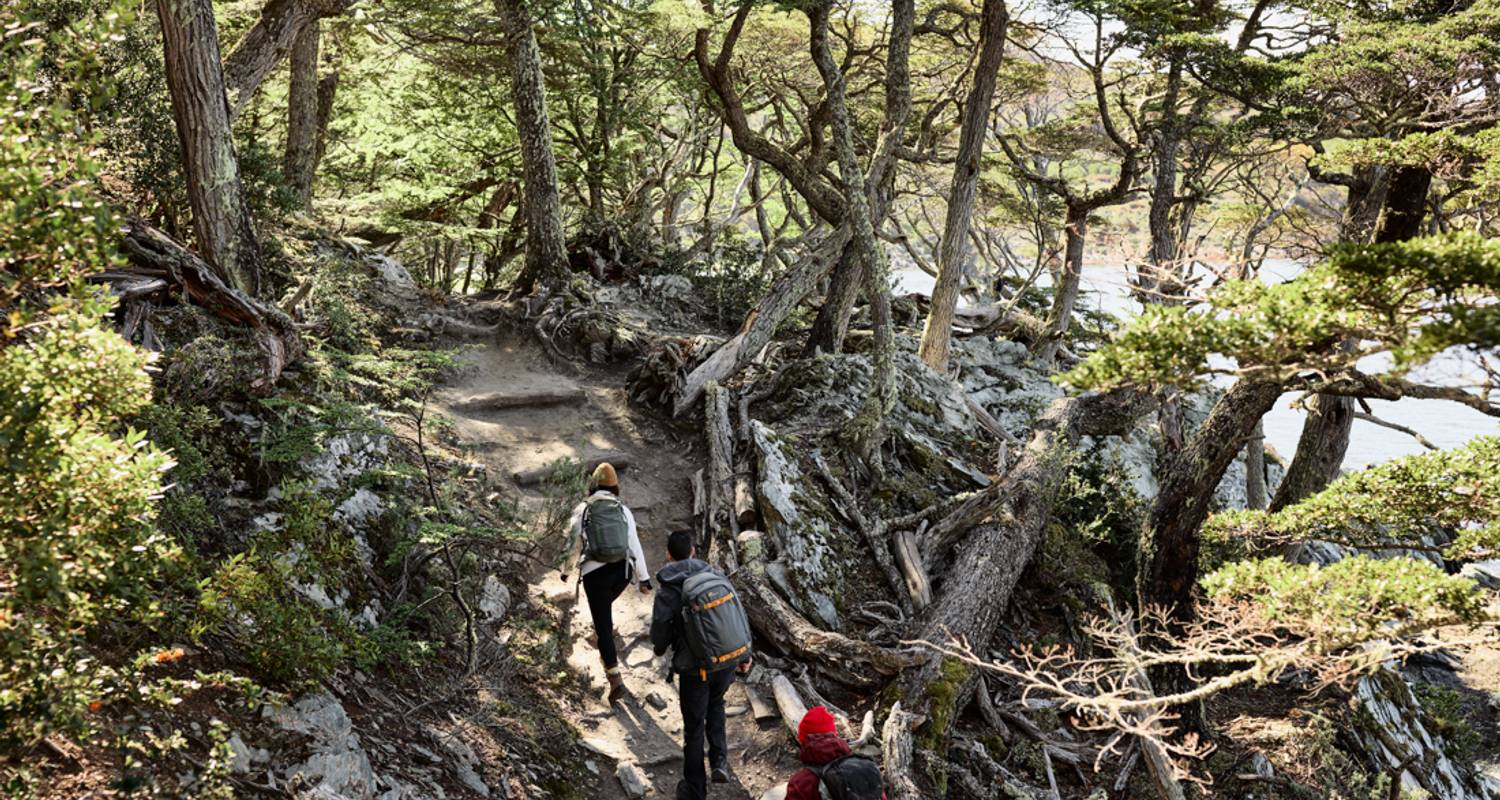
(721, 773)
(617, 688)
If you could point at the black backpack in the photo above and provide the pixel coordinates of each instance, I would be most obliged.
(852, 777)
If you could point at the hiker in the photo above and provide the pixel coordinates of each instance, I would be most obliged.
(606, 540)
(698, 616)
(828, 764)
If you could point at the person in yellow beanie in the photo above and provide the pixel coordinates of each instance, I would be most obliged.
(606, 542)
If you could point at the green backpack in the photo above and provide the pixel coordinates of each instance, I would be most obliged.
(606, 532)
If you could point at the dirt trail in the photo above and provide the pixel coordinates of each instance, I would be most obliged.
(645, 729)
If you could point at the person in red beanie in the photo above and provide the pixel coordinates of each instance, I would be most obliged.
(826, 757)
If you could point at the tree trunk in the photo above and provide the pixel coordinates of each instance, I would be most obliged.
(954, 245)
(761, 323)
(872, 257)
(1065, 294)
(1405, 204)
(275, 335)
(832, 323)
(1255, 468)
(1171, 539)
(546, 251)
(1320, 450)
(262, 47)
(1163, 253)
(975, 593)
(195, 78)
(300, 162)
(1401, 197)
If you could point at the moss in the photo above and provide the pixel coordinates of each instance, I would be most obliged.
(942, 704)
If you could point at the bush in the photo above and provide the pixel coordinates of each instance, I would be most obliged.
(78, 550)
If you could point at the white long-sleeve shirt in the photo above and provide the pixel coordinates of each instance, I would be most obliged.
(636, 565)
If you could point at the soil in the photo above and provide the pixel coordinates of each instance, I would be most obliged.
(645, 728)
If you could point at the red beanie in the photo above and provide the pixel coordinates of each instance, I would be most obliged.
(817, 720)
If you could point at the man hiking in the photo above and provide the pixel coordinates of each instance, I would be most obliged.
(829, 768)
(698, 616)
(605, 538)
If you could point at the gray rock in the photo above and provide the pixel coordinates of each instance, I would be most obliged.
(735, 711)
(494, 600)
(1261, 766)
(656, 701)
(1484, 573)
(339, 766)
(468, 777)
(244, 755)
(1393, 733)
(632, 780)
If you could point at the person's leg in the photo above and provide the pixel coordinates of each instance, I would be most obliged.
(602, 586)
(718, 746)
(693, 694)
(596, 589)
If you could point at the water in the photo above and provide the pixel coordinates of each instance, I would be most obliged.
(1444, 423)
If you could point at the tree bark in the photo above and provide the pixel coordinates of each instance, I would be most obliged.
(195, 79)
(954, 245)
(275, 335)
(262, 47)
(973, 597)
(300, 161)
(867, 247)
(1065, 293)
(1402, 201)
(1255, 468)
(1405, 205)
(761, 323)
(832, 323)
(1170, 542)
(1320, 450)
(546, 250)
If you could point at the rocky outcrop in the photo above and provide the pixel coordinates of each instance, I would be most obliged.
(1391, 728)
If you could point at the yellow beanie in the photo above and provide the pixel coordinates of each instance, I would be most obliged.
(604, 477)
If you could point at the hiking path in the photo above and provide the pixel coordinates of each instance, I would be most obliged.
(521, 412)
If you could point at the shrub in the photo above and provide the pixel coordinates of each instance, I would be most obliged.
(78, 548)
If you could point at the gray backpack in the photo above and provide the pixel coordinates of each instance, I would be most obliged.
(606, 532)
(714, 622)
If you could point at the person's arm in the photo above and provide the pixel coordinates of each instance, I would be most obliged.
(575, 550)
(638, 558)
(663, 615)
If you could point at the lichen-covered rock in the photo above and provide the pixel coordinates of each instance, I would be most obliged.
(1390, 726)
(494, 600)
(344, 457)
(338, 767)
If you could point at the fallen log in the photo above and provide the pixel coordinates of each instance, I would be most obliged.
(720, 479)
(275, 334)
(993, 555)
(788, 702)
(500, 401)
(532, 477)
(760, 324)
(851, 662)
(896, 753)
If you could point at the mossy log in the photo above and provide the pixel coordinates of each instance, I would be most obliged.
(972, 599)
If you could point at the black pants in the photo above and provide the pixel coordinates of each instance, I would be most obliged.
(702, 705)
(601, 587)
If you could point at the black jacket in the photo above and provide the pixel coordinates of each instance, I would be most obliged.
(666, 612)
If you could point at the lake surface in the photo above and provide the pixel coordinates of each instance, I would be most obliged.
(1445, 423)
